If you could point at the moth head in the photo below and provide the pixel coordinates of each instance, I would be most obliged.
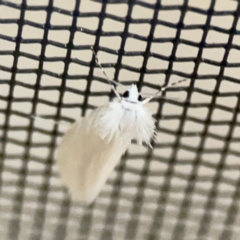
(132, 94)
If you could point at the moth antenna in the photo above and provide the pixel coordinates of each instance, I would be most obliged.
(111, 82)
(157, 94)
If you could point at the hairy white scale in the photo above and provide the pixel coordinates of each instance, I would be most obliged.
(93, 146)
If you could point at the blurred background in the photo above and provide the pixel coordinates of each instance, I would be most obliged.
(187, 186)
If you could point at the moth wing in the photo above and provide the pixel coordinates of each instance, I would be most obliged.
(85, 160)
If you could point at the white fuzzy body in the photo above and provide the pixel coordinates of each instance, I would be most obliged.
(93, 146)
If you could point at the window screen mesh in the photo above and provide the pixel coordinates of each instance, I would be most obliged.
(188, 185)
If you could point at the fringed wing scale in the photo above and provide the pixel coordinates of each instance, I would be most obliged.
(93, 146)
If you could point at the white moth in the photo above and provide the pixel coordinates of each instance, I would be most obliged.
(94, 145)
